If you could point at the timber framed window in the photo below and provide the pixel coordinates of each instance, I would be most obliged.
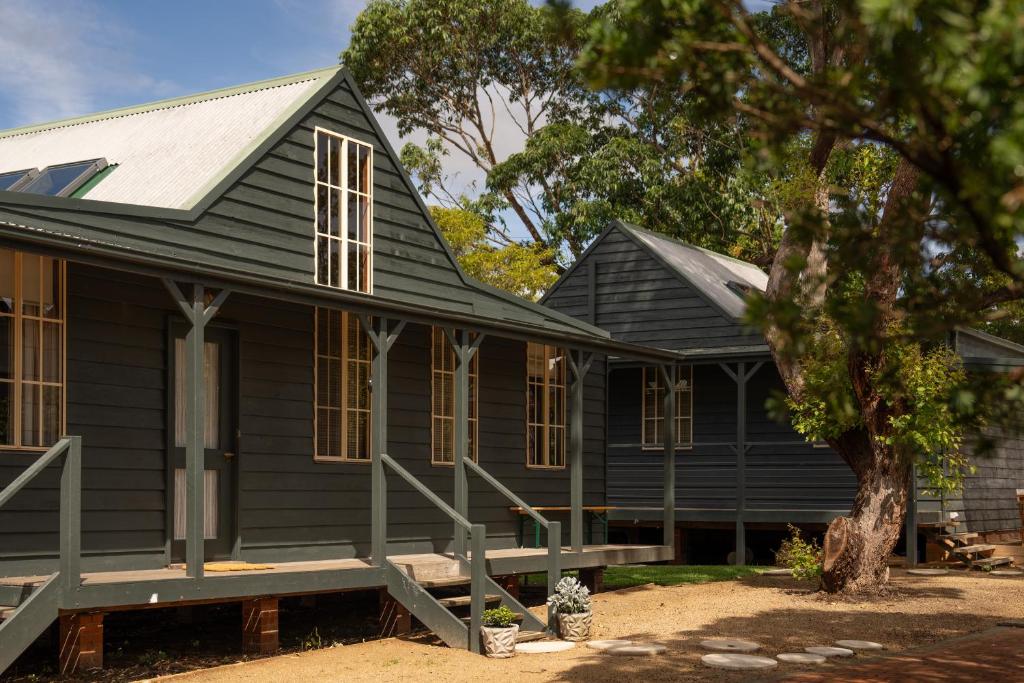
(343, 207)
(545, 406)
(654, 408)
(342, 360)
(442, 391)
(32, 343)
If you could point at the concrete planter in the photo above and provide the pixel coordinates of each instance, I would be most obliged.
(574, 627)
(499, 643)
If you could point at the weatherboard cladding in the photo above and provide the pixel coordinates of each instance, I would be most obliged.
(117, 401)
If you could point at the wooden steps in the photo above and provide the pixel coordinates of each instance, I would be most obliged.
(6, 611)
(991, 561)
(961, 536)
(974, 549)
(529, 636)
(518, 617)
(444, 582)
(466, 600)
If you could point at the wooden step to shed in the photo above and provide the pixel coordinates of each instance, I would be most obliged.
(974, 549)
(529, 636)
(991, 561)
(443, 582)
(466, 600)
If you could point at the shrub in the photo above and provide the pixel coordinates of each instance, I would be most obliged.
(802, 556)
(499, 617)
(570, 597)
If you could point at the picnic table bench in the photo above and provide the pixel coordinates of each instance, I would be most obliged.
(593, 512)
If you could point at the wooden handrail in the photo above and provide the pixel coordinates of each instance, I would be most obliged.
(427, 493)
(34, 469)
(505, 491)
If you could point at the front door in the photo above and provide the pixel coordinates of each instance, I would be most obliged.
(220, 437)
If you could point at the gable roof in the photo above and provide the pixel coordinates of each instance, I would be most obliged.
(168, 153)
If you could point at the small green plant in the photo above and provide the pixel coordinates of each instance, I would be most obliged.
(802, 556)
(499, 617)
(570, 596)
(313, 641)
(153, 657)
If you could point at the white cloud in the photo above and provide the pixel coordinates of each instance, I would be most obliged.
(60, 59)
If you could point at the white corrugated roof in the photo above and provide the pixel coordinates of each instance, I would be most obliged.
(709, 271)
(166, 151)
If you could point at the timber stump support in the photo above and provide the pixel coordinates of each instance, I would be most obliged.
(393, 619)
(259, 626)
(509, 584)
(593, 579)
(81, 642)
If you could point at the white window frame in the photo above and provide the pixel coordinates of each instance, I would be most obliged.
(683, 419)
(18, 381)
(341, 234)
(437, 335)
(342, 401)
(550, 352)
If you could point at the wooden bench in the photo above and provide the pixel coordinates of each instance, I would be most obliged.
(592, 512)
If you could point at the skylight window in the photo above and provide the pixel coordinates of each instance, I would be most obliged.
(61, 180)
(14, 180)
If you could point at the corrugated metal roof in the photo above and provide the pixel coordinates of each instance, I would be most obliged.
(168, 152)
(708, 271)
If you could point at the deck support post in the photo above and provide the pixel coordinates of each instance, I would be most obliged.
(593, 579)
(259, 626)
(394, 619)
(579, 365)
(198, 314)
(669, 377)
(554, 569)
(741, 376)
(911, 519)
(81, 642)
(464, 346)
(382, 337)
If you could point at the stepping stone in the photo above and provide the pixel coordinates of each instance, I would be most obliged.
(540, 646)
(603, 645)
(801, 658)
(928, 572)
(730, 645)
(860, 645)
(778, 572)
(738, 662)
(637, 650)
(828, 651)
(1006, 572)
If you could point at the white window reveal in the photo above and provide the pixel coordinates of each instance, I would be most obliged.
(344, 212)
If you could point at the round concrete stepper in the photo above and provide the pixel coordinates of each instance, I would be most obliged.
(1006, 572)
(541, 646)
(608, 644)
(927, 572)
(860, 645)
(738, 662)
(730, 645)
(829, 651)
(801, 658)
(778, 572)
(637, 650)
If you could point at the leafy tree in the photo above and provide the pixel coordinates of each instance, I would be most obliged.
(896, 129)
(522, 269)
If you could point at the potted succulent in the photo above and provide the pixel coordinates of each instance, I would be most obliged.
(571, 601)
(499, 632)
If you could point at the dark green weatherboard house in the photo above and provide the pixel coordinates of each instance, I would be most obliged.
(240, 311)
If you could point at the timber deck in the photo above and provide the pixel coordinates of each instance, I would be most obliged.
(142, 588)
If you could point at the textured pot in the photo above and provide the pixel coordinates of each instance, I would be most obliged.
(574, 627)
(499, 643)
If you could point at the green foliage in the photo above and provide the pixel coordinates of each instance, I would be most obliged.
(499, 617)
(630, 576)
(802, 556)
(522, 269)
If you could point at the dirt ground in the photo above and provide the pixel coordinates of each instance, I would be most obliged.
(779, 613)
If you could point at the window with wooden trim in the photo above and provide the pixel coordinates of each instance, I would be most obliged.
(545, 406)
(32, 358)
(653, 410)
(343, 206)
(442, 390)
(343, 358)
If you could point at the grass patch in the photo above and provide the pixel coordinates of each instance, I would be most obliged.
(672, 574)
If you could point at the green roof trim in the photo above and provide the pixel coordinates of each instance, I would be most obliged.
(93, 182)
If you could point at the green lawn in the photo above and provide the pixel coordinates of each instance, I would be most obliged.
(673, 574)
(661, 574)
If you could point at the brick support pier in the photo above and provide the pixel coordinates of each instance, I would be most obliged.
(81, 642)
(393, 618)
(510, 584)
(259, 626)
(593, 579)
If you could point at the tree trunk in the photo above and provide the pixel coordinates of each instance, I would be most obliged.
(857, 547)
